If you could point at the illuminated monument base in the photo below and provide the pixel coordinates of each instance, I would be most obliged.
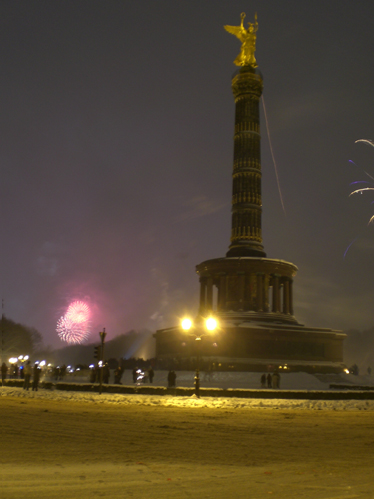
(252, 300)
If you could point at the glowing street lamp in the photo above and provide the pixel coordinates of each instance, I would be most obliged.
(198, 331)
(186, 324)
(211, 324)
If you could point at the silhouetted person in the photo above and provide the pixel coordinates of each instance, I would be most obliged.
(35, 377)
(106, 373)
(4, 371)
(151, 374)
(354, 370)
(276, 380)
(118, 375)
(269, 380)
(28, 372)
(97, 374)
(171, 379)
(62, 372)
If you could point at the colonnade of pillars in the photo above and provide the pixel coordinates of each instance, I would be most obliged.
(233, 293)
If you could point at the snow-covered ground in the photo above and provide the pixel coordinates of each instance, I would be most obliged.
(68, 445)
(242, 380)
(290, 381)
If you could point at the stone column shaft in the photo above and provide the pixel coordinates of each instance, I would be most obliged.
(222, 292)
(209, 294)
(246, 235)
(290, 297)
(202, 305)
(276, 294)
(241, 288)
(286, 297)
(260, 292)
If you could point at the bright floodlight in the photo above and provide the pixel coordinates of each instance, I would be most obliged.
(211, 324)
(186, 324)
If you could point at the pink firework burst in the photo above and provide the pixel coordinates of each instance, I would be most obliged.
(78, 312)
(74, 326)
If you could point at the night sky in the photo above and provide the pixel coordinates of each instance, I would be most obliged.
(117, 121)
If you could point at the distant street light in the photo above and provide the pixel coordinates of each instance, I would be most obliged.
(198, 330)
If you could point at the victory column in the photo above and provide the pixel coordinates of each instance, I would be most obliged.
(250, 295)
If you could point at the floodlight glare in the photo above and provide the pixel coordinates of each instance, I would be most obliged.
(211, 324)
(186, 324)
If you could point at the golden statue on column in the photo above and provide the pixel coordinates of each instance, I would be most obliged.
(248, 39)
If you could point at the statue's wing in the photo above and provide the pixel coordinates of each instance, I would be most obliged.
(234, 30)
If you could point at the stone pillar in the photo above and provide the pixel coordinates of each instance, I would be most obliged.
(246, 234)
(241, 288)
(209, 295)
(253, 292)
(290, 301)
(286, 296)
(276, 301)
(221, 301)
(260, 292)
(202, 296)
(266, 293)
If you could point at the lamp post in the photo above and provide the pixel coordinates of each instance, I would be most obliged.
(197, 330)
(102, 337)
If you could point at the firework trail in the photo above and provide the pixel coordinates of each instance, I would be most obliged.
(349, 245)
(74, 326)
(361, 190)
(366, 173)
(365, 141)
(272, 155)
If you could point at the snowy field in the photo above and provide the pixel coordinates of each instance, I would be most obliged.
(290, 381)
(188, 402)
(64, 445)
(252, 380)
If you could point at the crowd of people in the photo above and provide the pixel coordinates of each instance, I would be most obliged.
(102, 373)
(138, 376)
(270, 380)
(24, 372)
(12, 372)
